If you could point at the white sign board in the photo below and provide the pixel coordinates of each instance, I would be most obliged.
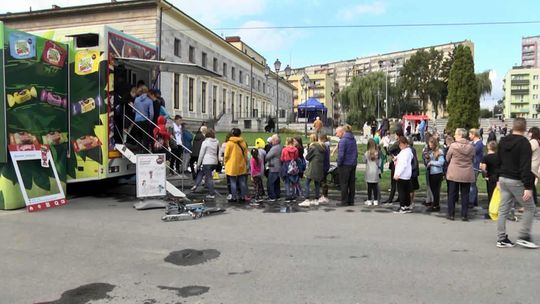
(42, 153)
(151, 175)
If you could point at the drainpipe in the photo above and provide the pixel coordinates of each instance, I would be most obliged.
(159, 41)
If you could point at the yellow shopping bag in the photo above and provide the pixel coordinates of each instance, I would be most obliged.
(494, 204)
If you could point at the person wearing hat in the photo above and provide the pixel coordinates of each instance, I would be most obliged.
(260, 144)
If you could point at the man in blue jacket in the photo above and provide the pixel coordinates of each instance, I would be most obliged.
(143, 115)
(347, 160)
(474, 135)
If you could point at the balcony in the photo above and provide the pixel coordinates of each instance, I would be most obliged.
(522, 110)
(519, 82)
(516, 101)
(519, 92)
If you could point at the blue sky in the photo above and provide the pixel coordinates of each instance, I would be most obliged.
(496, 47)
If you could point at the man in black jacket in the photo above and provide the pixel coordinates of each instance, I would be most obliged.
(516, 182)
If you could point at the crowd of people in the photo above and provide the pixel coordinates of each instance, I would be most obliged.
(512, 165)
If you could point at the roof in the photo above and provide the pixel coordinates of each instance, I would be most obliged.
(415, 117)
(168, 66)
(312, 103)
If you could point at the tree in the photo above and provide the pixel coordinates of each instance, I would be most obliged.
(463, 99)
(484, 83)
(485, 113)
(499, 107)
(363, 98)
(425, 76)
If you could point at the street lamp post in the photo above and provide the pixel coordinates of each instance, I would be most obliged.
(277, 67)
(385, 63)
(305, 86)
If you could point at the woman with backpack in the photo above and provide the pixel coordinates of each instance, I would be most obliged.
(289, 168)
(236, 158)
(315, 169)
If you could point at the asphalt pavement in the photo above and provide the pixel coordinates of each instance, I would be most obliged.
(98, 249)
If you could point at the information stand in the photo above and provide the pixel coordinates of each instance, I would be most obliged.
(151, 175)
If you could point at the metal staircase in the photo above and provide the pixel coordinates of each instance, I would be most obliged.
(131, 156)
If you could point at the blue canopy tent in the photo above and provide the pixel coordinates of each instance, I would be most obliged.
(312, 108)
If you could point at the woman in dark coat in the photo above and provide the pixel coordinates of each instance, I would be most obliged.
(315, 169)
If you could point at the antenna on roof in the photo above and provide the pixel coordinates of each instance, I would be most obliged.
(30, 8)
(54, 6)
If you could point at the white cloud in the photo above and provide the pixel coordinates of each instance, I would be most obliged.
(267, 40)
(497, 92)
(24, 6)
(212, 12)
(373, 8)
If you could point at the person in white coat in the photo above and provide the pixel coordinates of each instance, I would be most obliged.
(207, 162)
(402, 175)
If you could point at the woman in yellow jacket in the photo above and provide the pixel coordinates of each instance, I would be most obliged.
(235, 158)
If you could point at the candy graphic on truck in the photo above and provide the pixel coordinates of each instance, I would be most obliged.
(22, 45)
(54, 54)
(53, 99)
(21, 96)
(86, 62)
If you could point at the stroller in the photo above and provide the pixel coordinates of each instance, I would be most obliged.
(334, 175)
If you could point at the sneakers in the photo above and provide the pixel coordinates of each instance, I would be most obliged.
(403, 210)
(305, 203)
(375, 203)
(193, 188)
(229, 197)
(368, 203)
(323, 200)
(315, 202)
(526, 242)
(210, 196)
(506, 243)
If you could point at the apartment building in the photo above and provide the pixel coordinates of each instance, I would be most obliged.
(521, 93)
(320, 86)
(243, 96)
(344, 71)
(530, 51)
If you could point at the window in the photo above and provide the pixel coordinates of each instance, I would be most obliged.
(177, 47)
(233, 73)
(224, 69)
(240, 75)
(535, 96)
(535, 87)
(214, 100)
(282, 113)
(535, 77)
(203, 97)
(252, 82)
(232, 103)
(204, 59)
(258, 85)
(239, 105)
(264, 87)
(191, 54)
(223, 100)
(190, 94)
(214, 65)
(176, 91)
(247, 110)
